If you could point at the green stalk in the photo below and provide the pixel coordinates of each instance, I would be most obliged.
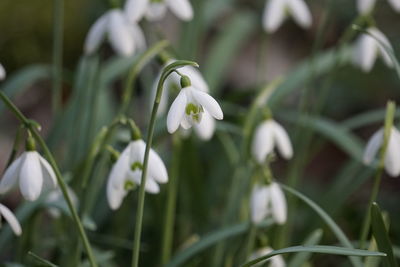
(58, 17)
(140, 206)
(168, 233)
(390, 110)
(33, 129)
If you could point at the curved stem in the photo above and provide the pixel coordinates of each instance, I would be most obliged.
(53, 164)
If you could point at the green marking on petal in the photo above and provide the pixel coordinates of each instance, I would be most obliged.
(136, 166)
(129, 185)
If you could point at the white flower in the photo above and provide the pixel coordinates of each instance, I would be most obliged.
(56, 197)
(267, 135)
(155, 10)
(275, 261)
(275, 12)
(127, 171)
(11, 219)
(367, 49)
(392, 156)
(32, 171)
(2, 73)
(268, 200)
(189, 107)
(125, 37)
(366, 6)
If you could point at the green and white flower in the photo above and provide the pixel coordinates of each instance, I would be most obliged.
(11, 219)
(275, 261)
(366, 6)
(2, 72)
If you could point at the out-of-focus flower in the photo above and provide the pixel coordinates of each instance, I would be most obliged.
(127, 171)
(2, 72)
(189, 107)
(31, 171)
(11, 219)
(155, 10)
(268, 135)
(392, 156)
(124, 36)
(367, 49)
(56, 197)
(275, 261)
(366, 6)
(276, 11)
(268, 200)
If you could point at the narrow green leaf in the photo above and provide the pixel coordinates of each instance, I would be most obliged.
(42, 261)
(300, 258)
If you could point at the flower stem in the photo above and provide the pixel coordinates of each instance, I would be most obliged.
(58, 17)
(171, 204)
(33, 129)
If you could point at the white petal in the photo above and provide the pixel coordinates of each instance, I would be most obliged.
(119, 170)
(259, 204)
(176, 111)
(31, 176)
(392, 157)
(274, 14)
(48, 173)
(96, 34)
(156, 169)
(278, 203)
(372, 147)
(365, 52)
(114, 195)
(300, 12)
(138, 37)
(282, 141)
(11, 219)
(10, 177)
(365, 6)
(395, 4)
(186, 123)
(181, 8)
(263, 141)
(137, 150)
(155, 11)
(135, 9)
(206, 128)
(2, 73)
(208, 103)
(150, 187)
(382, 50)
(120, 34)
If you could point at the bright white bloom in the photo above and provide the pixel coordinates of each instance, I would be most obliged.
(367, 49)
(275, 261)
(31, 171)
(366, 6)
(156, 9)
(276, 11)
(392, 157)
(189, 107)
(127, 171)
(268, 200)
(11, 219)
(124, 36)
(56, 197)
(268, 135)
(2, 73)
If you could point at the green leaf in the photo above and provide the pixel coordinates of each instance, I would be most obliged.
(42, 261)
(302, 257)
(318, 249)
(366, 118)
(381, 236)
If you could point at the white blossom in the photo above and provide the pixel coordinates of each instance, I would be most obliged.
(124, 36)
(2, 72)
(268, 135)
(268, 200)
(366, 6)
(31, 171)
(392, 156)
(11, 219)
(127, 171)
(275, 261)
(276, 11)
(367, 49)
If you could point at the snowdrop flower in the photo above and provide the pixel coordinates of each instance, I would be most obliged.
(392, 157)
(2, 72)
(155, 9)
(267, 135)
(125, 37)
(275, 12)
(366, 6)
(11, 219)
(31, 171)
(189, 107)
(127, 171)
(268, 200)
(367, 49)
(275, 261)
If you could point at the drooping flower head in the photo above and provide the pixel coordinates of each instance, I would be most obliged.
(2, 73)
(127, 172)
(275, 261)
(189, 107)
(276, 11)
(124, 36)
(367, 49)
(366, 6)
(11, 219)
(392, 156)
